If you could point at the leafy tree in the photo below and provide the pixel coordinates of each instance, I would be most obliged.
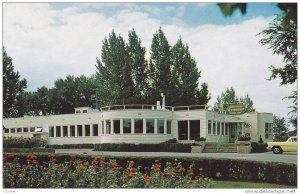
(160, 69)
(203, 96)
(114, 72)
(247, 103)
(280, 129)
(229, 8)
(139, 68)
(229, 97)
(13, 87)
(185, 75)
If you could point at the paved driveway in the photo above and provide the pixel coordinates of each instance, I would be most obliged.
(268, 156)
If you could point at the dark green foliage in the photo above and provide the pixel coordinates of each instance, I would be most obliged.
(29, 150)
(13, 88)
(72, 146)
(23, 142)
(217, 169)
(258, 147)
(260, 139)
(280, 129)
(164, 147)
(244, 138)
(228, 8)
(174, 140)
(229, 97)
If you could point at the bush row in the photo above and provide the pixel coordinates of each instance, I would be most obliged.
(258, 147)
(29, 150)
(72, 146)
(23, 142)
(164, 147)
(218, 169)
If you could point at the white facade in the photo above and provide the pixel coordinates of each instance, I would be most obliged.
(141, 124)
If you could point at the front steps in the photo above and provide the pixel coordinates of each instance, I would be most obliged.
(210, 147)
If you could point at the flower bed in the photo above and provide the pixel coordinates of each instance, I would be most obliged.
(163, 147)
(218, 169)
(56, 171)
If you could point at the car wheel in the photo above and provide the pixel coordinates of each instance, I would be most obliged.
(277, 150)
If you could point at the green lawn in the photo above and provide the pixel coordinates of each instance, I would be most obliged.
(245, 185)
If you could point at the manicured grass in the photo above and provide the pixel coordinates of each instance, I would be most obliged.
(245, 185)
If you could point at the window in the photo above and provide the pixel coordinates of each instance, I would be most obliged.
(108, 126)
(160, 126)
(79, 130)
(87, 130)
(226, 128)
(12, 130)
(169, 127)
(65, 131)
(32, 129)
(209, 127)
(268, 130)
(51, 131)
(19, 130)
(150, 126)
(117, 126)
(183, 130)
(223, 129)
(72, 130)
(84, 111)
(95, 130)
(25, 130)
(126, 126)
(6, 130)
(194, 129)
(77, 111)
(138, 125)
(214, 128)
(218, 128)
(102, 127)
(57, 131)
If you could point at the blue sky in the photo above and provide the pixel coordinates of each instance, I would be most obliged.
(48, 41)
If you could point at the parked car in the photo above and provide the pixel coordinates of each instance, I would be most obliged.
(288, 146)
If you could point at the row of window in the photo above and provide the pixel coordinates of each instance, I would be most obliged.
(217, 128)
(268, 130)
(75, 130)
(23, 130)
(135, 126)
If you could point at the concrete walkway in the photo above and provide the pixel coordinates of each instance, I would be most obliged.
(268, 156)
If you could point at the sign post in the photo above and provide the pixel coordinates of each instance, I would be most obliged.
(235, 109)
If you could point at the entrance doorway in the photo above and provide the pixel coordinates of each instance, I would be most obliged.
(232, 132)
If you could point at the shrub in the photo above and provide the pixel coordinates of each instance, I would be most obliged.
(72, 146)
(260, 140)
(165, 147)
(173, 140)
(202, 139)
(244, 138)
(57, 170)
(258, 147)
(23, 142)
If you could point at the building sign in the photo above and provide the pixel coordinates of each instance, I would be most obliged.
(235, 109)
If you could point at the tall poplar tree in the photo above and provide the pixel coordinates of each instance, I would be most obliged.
(114, 72)
(13, 87)
(160, 69)
(139, 67)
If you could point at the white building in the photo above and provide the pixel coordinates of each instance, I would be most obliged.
(141, 124)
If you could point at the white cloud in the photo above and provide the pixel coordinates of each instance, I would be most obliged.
(47, 44)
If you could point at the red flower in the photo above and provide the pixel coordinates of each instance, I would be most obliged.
(51, 156)
(121, 169)
(131, 175)
(15, 160)
(95, 158)
(86, 164)
(168, 174)
(113, 168)
(79, 168)
(133, 170)
(114, 164)
(73, 157)
(24, 166)
(131, 163)
(191, 174)
(157, 161)
(147, 180)
(35, 162)
(7, 155)
(102, 162)
(181, 170)
(146, 168)
(156, 169)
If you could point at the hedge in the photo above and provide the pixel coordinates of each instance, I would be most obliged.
(29, 150)
(218, 169)
(258, 147)
(164, 147)
(23, 142)
(72, 146)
